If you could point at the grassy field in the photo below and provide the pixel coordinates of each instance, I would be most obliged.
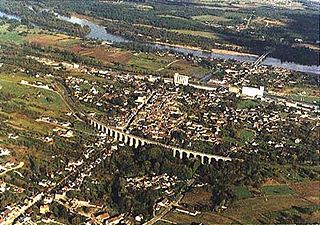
(148, 62)
(29, 102)
(243, 104)
(279, 200)
(164, 65)
(197, 33)
(54, 40)
(10, 36)
(277, 190)
(245, 135)
(197, 197)
(308, 189)
(211, 18)
(252, 209)
(242, 192)
(205, 218)
(16, 35)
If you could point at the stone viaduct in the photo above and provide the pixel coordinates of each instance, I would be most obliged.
(136, 141)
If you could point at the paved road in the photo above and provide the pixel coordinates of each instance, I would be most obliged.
(171, 205)
(14, 215)
(164, 212)
(21, 164)
(17, 212)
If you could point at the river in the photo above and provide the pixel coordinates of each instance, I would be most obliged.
(2, 14)
(100, 33)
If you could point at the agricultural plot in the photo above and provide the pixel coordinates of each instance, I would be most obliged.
(277, 190)
(205, 218)
(309, 190)
(164, 65)
(197, 197)
(10, 36)
(242, 192)
(26, 104)
(197, 33)
(253, 209)
(211, 18)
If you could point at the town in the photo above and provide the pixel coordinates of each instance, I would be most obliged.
(190, 118)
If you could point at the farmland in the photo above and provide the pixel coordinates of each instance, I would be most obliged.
(206, 218)
(252, 210)
(197, 33)
(36, 102)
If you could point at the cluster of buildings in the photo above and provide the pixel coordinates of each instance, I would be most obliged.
(161, 182)
(174, 114)
(118, 99)
(241, 74)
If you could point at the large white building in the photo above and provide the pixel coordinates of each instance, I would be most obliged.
(253, 92)
(180, 79)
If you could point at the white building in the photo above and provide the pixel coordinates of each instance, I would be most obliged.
(180, 79)
(253, 92)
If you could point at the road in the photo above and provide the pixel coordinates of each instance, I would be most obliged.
(171, 205)
(16, 213)
(133, 116)
(165, 211)
(167, 65)
(21, 164)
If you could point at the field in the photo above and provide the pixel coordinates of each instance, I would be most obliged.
(267, 22)
(205, 218)
(309, 190)
(277, 190)
(197, 33)
(242, 192)
(247, 104)
(105, 55)
(148, 62)
(300, 199)
(139, 62)
(164, 65)
(197, 197)
(252, 209)
(245, 135)
(210, 18)
(54, 40)
(10, 36)
(28, 104)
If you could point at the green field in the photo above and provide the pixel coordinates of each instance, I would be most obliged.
(25, 104)
(210, 18)
(148, 62)
(245, 135)
(243, 104)
(205, 218)
(242, 192)
(164, 65)
(197, 33)
(307, 99)
(277, 190)
(10, 36)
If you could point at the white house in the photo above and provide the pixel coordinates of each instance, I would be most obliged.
(253, 92)
(180, 79)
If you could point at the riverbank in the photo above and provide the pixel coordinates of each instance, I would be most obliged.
(214, 50)
(99, 22)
